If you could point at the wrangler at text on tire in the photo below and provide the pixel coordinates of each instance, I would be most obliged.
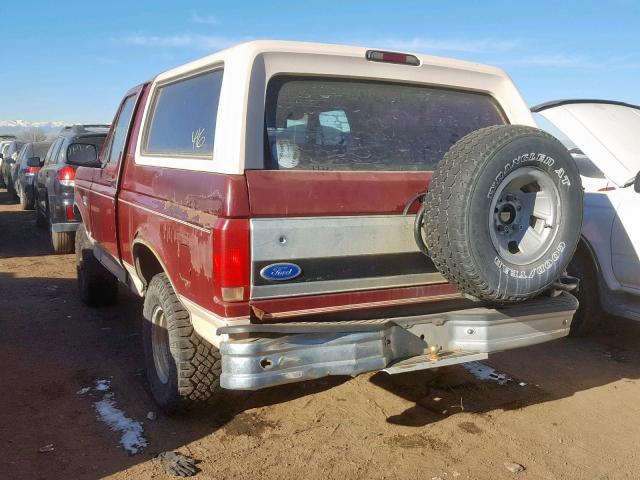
(288, 242)
(503, 213)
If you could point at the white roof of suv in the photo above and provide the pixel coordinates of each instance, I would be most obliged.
(249, 66)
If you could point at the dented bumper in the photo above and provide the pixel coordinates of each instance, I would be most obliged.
(276, 354)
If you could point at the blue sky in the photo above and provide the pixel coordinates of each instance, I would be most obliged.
(73, 61)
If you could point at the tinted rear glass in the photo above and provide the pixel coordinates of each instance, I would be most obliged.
(40, 149)
(183, 121)
(97, 140)
(339, 124)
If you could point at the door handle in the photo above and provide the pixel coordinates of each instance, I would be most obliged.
(84, 200)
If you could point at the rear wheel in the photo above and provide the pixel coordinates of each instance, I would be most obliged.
(96, 286)
(11, 189)
(63, 242)
(42, 219)
(25, 204)
(183, 369)
(589, 314)
(503, 213)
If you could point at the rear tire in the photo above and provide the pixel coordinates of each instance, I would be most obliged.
(25, 204)
(96, 286)
(183, 369)
(11, 189)
(63, 242)
(42, 220)
(589, 314)
(503, 213)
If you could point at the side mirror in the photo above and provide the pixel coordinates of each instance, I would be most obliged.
(83, 154)
(34, 162)
(636, 183)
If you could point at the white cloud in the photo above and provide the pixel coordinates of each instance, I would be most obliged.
(195, 17)
(553, 60)
(204, 42)
(419, 44)
(562, 60)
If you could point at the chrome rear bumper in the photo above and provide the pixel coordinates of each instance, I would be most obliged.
(276, 354)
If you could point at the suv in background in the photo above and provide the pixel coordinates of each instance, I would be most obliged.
(27, 168)
(76, 145)
(10, 155)
(3, 146)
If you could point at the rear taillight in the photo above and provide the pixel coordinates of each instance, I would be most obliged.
(31, 170)
(71, 215)
(231, 259)
(67, 176)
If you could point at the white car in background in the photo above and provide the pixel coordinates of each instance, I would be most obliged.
(604, 139)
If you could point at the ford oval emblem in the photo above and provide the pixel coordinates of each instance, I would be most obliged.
(280, 271)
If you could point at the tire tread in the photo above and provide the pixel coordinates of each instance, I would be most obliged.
(446, 205)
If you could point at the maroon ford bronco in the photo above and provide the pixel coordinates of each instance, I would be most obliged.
(290, 211)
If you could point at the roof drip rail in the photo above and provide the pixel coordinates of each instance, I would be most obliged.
(557, 103)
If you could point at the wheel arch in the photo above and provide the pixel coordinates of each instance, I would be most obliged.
(147, 262)
(586, 249)
(78, 213)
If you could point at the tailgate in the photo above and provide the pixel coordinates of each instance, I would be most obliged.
(343, 157)
(337, 235)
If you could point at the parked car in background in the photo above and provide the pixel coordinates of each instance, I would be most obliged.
(606, 136)
(3, 145)
(28, 165)
(76, 145)
(10, 157)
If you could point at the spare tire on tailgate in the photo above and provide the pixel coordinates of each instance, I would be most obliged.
(503, 213)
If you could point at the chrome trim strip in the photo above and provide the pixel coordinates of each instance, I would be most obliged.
(259, 292)
(78, 187)
(102, 195)
(361, 306)
(282, 239)
(183, 222)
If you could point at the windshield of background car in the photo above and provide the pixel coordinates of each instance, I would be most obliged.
(345, 124)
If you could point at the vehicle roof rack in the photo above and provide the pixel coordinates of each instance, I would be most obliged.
(85, 128)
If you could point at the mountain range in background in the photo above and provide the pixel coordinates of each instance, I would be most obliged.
(16, 127)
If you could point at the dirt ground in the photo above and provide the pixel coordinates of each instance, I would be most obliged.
(571, 410)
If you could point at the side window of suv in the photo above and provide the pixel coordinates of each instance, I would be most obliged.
(22, 154)
(119, 134)
(53, 152)
(183, 117)
(61, 155)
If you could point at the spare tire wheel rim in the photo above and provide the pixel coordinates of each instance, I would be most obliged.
(524, 216)
(160, 344)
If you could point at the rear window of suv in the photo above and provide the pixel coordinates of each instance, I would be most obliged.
(183, 119)
(343, 124)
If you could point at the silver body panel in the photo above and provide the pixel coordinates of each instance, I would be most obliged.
(396, 345)
(291, 239)
(348, 285)
(319, 237)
